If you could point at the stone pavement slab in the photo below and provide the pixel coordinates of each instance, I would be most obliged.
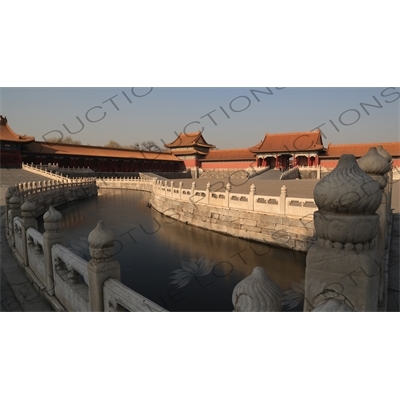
(11, 176)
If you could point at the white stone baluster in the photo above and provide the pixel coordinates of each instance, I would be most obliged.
(251, 197)
(102, 266)
(345, 260)
(227, 194)
(52, 235)
(282, 200)
(28, 216)
(14, 211)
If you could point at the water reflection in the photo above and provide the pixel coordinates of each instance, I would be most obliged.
(158, 254)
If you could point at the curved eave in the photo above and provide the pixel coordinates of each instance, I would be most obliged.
(8, 135)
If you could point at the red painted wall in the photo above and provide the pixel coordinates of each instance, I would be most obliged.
(191, 163)
(333, 163)
(328, 163)
(396, 162)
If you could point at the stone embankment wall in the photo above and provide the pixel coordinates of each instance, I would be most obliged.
(284, 231)
(279, 220)
(282, 221)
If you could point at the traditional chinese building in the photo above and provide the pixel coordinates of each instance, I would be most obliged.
(285, 150)
(228, 159)
(16, 149)
(12, 145)
(100, 159)
(190, 148)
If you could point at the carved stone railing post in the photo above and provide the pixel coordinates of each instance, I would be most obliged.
(14, 211)
(193, 188)
(28, 215)
(257, 292)
(52, 235)
(7, 195)
(227, 194)
(282, 200)
(172, 189)
(377, 167)
(251, 197)
(344, 263)
(102, 266)
(180, 190)
(208, 192)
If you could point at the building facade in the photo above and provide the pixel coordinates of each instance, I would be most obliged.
(12, 146)
(188, 151)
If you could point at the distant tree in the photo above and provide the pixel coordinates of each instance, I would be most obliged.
(66, 140)
(149, 145)
(113, 144)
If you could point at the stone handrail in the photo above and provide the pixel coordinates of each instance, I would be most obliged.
(237, 201)
(291, 173)
(34, 237)
(70, 291)
(254, 171)
(40, 171)
(35, 256)
(44, 193)
(118, 297)
(67, 281)
(17, 227)
(71, 261)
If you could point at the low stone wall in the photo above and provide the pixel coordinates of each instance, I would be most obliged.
(308, 173)
(224, 173)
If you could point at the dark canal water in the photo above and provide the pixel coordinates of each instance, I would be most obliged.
(150, 247)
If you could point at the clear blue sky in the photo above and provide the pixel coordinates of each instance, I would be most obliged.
(163, 111)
